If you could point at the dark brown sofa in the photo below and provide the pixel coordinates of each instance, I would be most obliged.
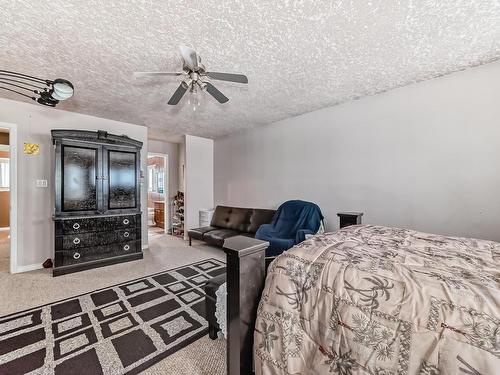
(229, 222)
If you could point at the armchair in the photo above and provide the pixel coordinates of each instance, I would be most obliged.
(292, 222)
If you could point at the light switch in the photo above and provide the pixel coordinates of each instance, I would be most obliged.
(41, 183)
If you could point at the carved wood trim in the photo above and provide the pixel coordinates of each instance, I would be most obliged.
(100, 136)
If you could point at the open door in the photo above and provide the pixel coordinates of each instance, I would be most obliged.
(8, 199)
(159, 222)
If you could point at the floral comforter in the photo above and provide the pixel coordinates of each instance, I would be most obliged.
(376, 300)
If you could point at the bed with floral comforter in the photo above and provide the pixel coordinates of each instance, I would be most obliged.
(377, 300)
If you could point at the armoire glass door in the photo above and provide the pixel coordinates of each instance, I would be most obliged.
(80, 170)
(122, 184)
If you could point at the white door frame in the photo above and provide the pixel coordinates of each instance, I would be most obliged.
(166, 190)
(13, 166)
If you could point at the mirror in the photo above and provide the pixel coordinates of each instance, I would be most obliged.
(156, 177)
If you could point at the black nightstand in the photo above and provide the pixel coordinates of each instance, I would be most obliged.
(349, 218)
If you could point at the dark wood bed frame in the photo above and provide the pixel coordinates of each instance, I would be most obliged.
(246, 274)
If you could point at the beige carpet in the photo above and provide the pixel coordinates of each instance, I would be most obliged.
(30, 289)
(27, 290)
(154, 232)
(203, 357)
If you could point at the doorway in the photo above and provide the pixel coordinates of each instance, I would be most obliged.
(158, 196)
(8, 198)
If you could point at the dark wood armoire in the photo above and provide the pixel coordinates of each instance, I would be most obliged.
(97, 200)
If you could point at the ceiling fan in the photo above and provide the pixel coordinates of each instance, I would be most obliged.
(196, 77)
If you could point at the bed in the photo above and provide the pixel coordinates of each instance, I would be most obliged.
(377, 300)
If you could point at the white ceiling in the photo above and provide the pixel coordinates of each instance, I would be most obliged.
(299, 55)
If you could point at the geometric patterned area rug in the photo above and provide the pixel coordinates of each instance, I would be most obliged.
(122, 329)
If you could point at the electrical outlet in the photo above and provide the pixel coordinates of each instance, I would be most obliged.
(41, 183)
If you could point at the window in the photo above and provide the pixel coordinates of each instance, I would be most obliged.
(159, 184)
(4, 174)
(151, 178)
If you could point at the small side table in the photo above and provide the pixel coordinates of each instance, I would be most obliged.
(349, 218)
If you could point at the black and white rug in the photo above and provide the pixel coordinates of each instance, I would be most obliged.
(122, 329)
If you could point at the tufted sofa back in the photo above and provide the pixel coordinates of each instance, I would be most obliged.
(241, 219)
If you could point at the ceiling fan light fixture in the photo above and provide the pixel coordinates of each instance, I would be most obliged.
(187, 83)
(202, 85)
(47, 92)
(55, 96)
(194, 100)
(62, 89)
(48, 103)
(47, 99)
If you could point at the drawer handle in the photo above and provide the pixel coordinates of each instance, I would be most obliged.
(126, 247)
(76, 256)
(126, 221)
(76, 241)
(126, 234)
(76, 226)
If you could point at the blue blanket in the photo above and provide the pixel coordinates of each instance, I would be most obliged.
(291, 222)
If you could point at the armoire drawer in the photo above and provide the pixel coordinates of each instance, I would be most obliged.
(69, 257)
(73, 226)
(125, 222)
(96, 224)
(77, 241)
(115, 222)
(125, 235)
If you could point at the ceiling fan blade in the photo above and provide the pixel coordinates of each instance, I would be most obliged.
(190, 57)
(155, 74)
(238, 78)
(220, 97)
(178, 94)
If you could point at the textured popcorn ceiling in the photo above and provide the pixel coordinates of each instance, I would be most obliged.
(299, 55)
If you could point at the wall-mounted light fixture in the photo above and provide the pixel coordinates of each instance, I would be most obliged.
(42, 91)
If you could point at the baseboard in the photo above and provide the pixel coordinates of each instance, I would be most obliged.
(29, 267)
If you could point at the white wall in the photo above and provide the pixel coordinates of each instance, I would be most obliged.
(182, 164)
(199, 176)
(36, 205)
(424, 156)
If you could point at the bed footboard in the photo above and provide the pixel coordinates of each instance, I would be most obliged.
(245, 281)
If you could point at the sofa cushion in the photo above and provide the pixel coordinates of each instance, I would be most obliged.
(217, 237)
(197, 233)
(234, 218)
(258, 217)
